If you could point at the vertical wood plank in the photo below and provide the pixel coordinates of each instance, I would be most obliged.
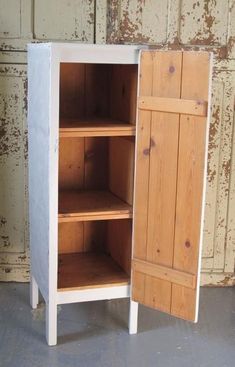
(70, 237)
(96, 164)
(142, 159)
(72, 90)
(142, 175)
(191, 162)
(123, 86)
(163, 177)
(95, 236)
(97, 90)
(71, 163)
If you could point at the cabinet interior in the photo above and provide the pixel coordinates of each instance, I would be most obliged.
(97, 94)
(96, 174)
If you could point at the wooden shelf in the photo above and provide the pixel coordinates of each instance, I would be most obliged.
(77, 205)
(89, 270)
(71, 128)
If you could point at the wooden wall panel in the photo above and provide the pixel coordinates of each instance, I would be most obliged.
(171, 24)
(196, 25)
(22, 22)
(13, 168)
(64, 20)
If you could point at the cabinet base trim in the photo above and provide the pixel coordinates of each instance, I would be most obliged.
(95, 294)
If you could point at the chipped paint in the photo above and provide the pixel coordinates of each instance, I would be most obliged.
(69, 20)
(217, 279)
(165, 24)
(199, 25)
(13, 177)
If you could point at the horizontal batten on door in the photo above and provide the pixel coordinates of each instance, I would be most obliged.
(173, 105)
(165, 273)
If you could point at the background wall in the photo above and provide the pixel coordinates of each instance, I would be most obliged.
(172, 24)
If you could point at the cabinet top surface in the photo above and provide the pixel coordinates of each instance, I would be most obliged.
(77, 52)
(82, 46)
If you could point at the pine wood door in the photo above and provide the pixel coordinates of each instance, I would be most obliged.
(170, 180)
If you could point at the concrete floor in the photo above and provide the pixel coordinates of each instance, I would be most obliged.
(95, 334)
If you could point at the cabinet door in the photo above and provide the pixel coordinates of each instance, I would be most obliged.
(170, 180)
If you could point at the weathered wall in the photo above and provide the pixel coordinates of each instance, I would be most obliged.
(172, 24)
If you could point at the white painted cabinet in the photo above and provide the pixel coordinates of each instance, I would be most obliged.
(117, 147)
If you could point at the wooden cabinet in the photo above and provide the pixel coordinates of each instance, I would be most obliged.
(117, 147)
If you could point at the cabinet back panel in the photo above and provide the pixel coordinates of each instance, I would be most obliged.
(71, 163)
(97, 90)
(72, 90)
(83, 163)
(123, 87)
(96, 163)
(82, 237)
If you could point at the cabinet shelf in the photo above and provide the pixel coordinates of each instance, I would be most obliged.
(75, 205)
(72, 128)
(89, 270)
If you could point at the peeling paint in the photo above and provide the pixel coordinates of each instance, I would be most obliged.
(176, 25)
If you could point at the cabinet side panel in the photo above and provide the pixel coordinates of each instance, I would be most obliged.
(38, 126)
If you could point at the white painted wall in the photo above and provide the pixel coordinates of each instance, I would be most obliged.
(170, 24)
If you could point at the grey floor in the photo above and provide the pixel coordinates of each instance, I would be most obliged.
(95, 334)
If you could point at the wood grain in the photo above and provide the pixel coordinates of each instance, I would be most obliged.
(71, 163)
(119, 242)
(72, 128)
(72, 90)
(70, 237)
(173, 105)
(165, 273)
(123, 92)
(191, 163)
(142, 160)
(163, 175)
(89, 270)
(91, 205)
(121, 168)
(96, 163)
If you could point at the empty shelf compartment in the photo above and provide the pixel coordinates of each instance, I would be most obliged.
(89, 270)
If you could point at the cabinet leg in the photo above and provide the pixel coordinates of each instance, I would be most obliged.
(133, 317)
(33, 293)
(51, 323)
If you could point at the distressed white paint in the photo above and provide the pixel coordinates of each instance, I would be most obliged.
(101, 22)
(67, 20)
(9, 19)
(13, 198)
(22, 22)
(197, 22)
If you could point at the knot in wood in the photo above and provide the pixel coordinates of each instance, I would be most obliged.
(146, 151)
(187, 244)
